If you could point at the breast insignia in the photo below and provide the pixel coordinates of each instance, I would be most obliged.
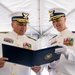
(68, 41)
(53, 40)
(31, 38)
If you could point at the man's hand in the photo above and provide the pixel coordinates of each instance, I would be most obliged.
(36, 68)
(2, 61)
(62, 50)
(53, 64)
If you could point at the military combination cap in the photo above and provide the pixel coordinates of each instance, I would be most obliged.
(56, 13)
(20, 17)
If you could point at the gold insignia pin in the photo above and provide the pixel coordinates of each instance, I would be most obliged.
(48, 56)
(51, 12)
(25, 15)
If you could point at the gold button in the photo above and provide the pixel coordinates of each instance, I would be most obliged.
(61, 35)
(56, 71)
(58, 42)
(18, 44)
(13, 74)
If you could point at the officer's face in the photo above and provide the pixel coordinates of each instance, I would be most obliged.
(19, 28)
(59, 24)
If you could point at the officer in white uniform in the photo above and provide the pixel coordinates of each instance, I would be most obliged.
(17, 38)
(66, 64)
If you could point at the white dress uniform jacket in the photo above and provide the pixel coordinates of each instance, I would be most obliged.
(64, 66)
(21, 41)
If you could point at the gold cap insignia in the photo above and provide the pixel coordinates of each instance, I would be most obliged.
(51, 12)
(25, 15)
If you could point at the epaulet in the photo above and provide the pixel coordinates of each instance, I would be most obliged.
(31, 38)
(53, 37)
(73, 31)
